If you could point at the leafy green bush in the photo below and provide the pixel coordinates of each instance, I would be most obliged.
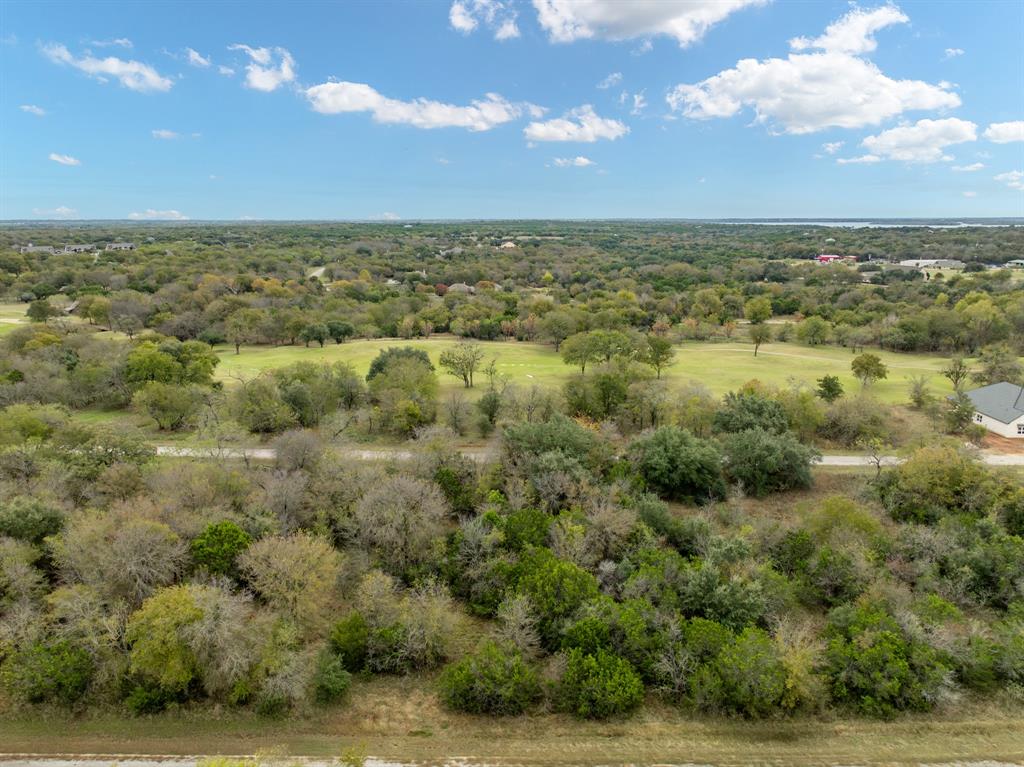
(48, 672)
(764, 462)
(556, 589)
(218, 546)
(936, 482)
(330, 681)
(526, 527)
(493, 680)
(742, 411)
(348, 640)
(752, 674)
(29, 519)
(679, 466)
(598, 686)
(875, 667)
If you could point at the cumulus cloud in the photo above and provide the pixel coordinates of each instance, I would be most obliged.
(573, 162)
(580, 124)
(226, 71)
(864, 159)
(1005, 133)
(499, 16)
(149, 214)
(1013, 179)
(268, 68)
(832, 86)
(954, 52)
(854, 32)
(163, 133)
(610, 81)
(133, 75)
(196, 59)
(639, 103)
(64, 159)
(61, 211)
(922, 142)
(32, 109)
(832, 147)
(480, 115)
(968, 168)
(686, 21)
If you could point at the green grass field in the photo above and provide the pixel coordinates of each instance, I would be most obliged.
(719, 367)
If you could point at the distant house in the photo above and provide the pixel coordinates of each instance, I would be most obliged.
(461, 287)
(1017, 263)
(120, 246)
(831, 258)
(30, 248)
(933, 263)
(999, 407)
(79, 248)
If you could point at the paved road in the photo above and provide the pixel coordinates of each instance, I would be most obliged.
(484, 454)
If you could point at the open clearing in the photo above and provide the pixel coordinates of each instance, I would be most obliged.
(400, 719)
(719, 367)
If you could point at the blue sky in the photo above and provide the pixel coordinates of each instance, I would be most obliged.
(511, 108)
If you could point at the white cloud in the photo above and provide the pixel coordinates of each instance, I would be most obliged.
(685, 20)
(968, 168)
(158, 215)
(854, 32)
(64, 159)
(639, 103)
(61, 211)
(645, 46)
(133, 75)
(954, 52)
(969, 194)
(196, 59)
(268, 68)
(120, 42)
(1013, 179)
(163, 133)
(573, 162)
(226, 71)
(580, 124)
(1005, 133)
(808, 92)
(610, 81)
(480, 115)
(32, 109)
(922, 142)
(388, 216)
(499, 16)
(832, 147)
(864, 159)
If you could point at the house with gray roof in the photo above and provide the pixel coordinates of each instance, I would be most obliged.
(999, 407)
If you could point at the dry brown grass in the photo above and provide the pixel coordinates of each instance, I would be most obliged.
(400, 718)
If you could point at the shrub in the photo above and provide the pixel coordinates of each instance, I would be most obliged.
(678, 466)
(936, 482)
(348, 640)
(493, 680)
(29, 519)
(746, 410)
(752, 674)
(218, 546)
(764, 462)
(526, 527)
(330, 680)
(556, 589)
(598, 686)
(53, 672)
(875, 667)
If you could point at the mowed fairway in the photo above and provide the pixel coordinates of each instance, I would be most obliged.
(11, 315)
(719, 367)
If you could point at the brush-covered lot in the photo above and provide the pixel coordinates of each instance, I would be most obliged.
(720, 367)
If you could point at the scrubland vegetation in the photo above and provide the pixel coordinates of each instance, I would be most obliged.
(644, 539)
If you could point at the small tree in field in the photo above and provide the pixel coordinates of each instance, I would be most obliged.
(760, 334)
(868, 368)
(659, 353)
(830, 388)
(957, 371)
(463, 361)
